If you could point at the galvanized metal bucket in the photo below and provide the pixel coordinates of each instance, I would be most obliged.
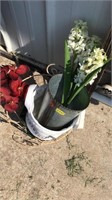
(34, 95)
(51, 113)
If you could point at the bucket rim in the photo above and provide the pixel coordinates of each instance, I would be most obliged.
(46, 129)
(58, 103)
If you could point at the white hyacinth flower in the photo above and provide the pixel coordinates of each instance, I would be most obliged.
(90, 62)
(79, 78)
(78, 36)
(92, 42)
(95, 60)
(88, 55)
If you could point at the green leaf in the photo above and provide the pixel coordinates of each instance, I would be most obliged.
(67, 74)
(82, 85)
(81, 101)
(85, 82)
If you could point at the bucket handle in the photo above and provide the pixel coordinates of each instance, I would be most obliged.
(54, 71)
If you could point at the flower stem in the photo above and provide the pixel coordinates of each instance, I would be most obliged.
(27, 78)
(30, 77)
(18, 118)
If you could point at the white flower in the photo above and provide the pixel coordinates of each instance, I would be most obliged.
(93, 79)
(89, 61)
(95, 60)
(92, 42)
(88, 55)
(79, 24)
(78, 36)
(79, 77)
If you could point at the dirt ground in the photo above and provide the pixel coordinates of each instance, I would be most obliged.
(77, 166)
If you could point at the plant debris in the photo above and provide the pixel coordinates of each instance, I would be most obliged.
(74, 165)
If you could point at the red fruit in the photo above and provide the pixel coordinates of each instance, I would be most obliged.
(11, 107)
(12, 104)
(4, 93)
(12, 72)
(13, 75)
(2, 100)
(3, 82)
(17, 87)
(2, 75)
(22, 69)
(12, 67)
(3, 78)
(5, 69)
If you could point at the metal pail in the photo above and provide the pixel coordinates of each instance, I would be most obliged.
(52, 114)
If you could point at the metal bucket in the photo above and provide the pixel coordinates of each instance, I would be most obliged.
(52, 114)
(33, 101)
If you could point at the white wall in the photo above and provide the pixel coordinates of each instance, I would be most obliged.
(40, 27)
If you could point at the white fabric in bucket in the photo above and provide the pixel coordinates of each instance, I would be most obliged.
(35, 127)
